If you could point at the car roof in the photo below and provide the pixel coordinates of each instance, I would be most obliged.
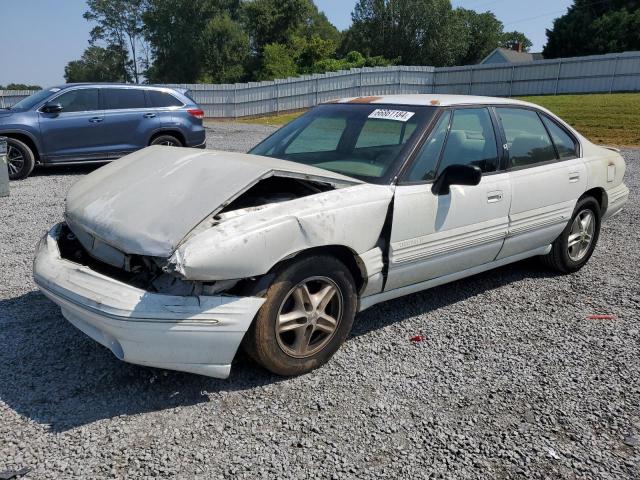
(116, 84)
(433, 100)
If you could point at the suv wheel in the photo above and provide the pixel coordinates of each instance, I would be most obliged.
(166, 140)
(20, 159)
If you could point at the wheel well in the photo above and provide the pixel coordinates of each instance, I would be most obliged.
(345, 255)
(173, 133)
(26, 139)
(599, 195)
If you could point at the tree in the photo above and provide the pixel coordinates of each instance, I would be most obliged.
(274, 21)
(482, 33)
(278, 62)
(510, 39)
(591, 28)
(119, 23)
(418, 32)
(20, 86)
(174, 30)
(225, 50)
(99, 64)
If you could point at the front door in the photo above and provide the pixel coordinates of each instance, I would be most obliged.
(435, 235)
(73, 133)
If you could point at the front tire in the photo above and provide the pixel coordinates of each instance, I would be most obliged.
(20, 159)
(575, 245)
(166, 140)
(308, 314)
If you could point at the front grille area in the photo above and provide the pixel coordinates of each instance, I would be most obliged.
(140, 271)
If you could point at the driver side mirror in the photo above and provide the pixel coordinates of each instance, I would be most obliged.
(456, 175)
(52, 108)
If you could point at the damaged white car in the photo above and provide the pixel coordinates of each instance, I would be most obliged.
(172, 257)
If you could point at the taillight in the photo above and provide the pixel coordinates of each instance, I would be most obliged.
(196, 112)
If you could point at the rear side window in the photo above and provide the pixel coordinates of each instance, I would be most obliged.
(122, 98)
(424, 167)
(471, 141)
(81, 100)
(565, 144)
(527, 140)
(163, 99)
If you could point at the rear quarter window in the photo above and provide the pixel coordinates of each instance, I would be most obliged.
(565, 144)
(163, 99)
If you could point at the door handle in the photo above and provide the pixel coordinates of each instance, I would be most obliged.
(149, 115)
(574, 177)
(495, 196)
(96, 120)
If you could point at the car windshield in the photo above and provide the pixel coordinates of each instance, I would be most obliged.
(33, 100)
(358, 140)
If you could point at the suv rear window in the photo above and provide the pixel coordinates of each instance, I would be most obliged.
(163, 99)
(122, 98)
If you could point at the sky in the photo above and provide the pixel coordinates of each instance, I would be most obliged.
(43, 35)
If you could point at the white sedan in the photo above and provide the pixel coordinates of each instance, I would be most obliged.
(172, 257)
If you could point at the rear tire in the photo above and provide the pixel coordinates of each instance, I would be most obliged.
(166, 140)
(575, 245)
(308, 314)
(20, 159)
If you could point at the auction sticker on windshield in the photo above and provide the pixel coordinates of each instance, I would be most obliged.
(398, 115)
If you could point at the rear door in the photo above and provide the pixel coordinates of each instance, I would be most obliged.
(547, 178)
(435, 235)
(73, 133)
(164, 105)
(129, 121)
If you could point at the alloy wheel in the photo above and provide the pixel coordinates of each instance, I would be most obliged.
(581, 235)
(309, 317)
(15, 160)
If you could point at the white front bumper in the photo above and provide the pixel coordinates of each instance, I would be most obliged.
(192, 334)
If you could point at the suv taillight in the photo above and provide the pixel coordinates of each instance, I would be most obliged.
(196, 112)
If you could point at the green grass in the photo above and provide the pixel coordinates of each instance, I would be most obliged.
(276, 120)
(610, 119)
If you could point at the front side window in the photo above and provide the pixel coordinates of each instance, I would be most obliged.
(32, 100)
(123, 98)
(81, 100)
(527, 139)
(564, 143)
(471, 141)
(424, 166)
(365, 141)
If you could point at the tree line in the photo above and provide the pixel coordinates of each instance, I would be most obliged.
(226, 41)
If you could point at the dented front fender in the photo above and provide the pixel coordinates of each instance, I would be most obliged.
(250, 245)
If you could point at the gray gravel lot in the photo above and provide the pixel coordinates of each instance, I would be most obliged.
(511, 381)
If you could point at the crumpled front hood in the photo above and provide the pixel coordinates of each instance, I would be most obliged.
(147, 202)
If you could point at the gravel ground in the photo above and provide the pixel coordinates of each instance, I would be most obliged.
(511, 381)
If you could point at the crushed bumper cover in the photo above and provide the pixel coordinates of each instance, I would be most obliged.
(191, 334)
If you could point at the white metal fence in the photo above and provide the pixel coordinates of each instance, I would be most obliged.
(593, 74)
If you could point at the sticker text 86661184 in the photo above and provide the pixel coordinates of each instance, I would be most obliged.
(398, 115)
